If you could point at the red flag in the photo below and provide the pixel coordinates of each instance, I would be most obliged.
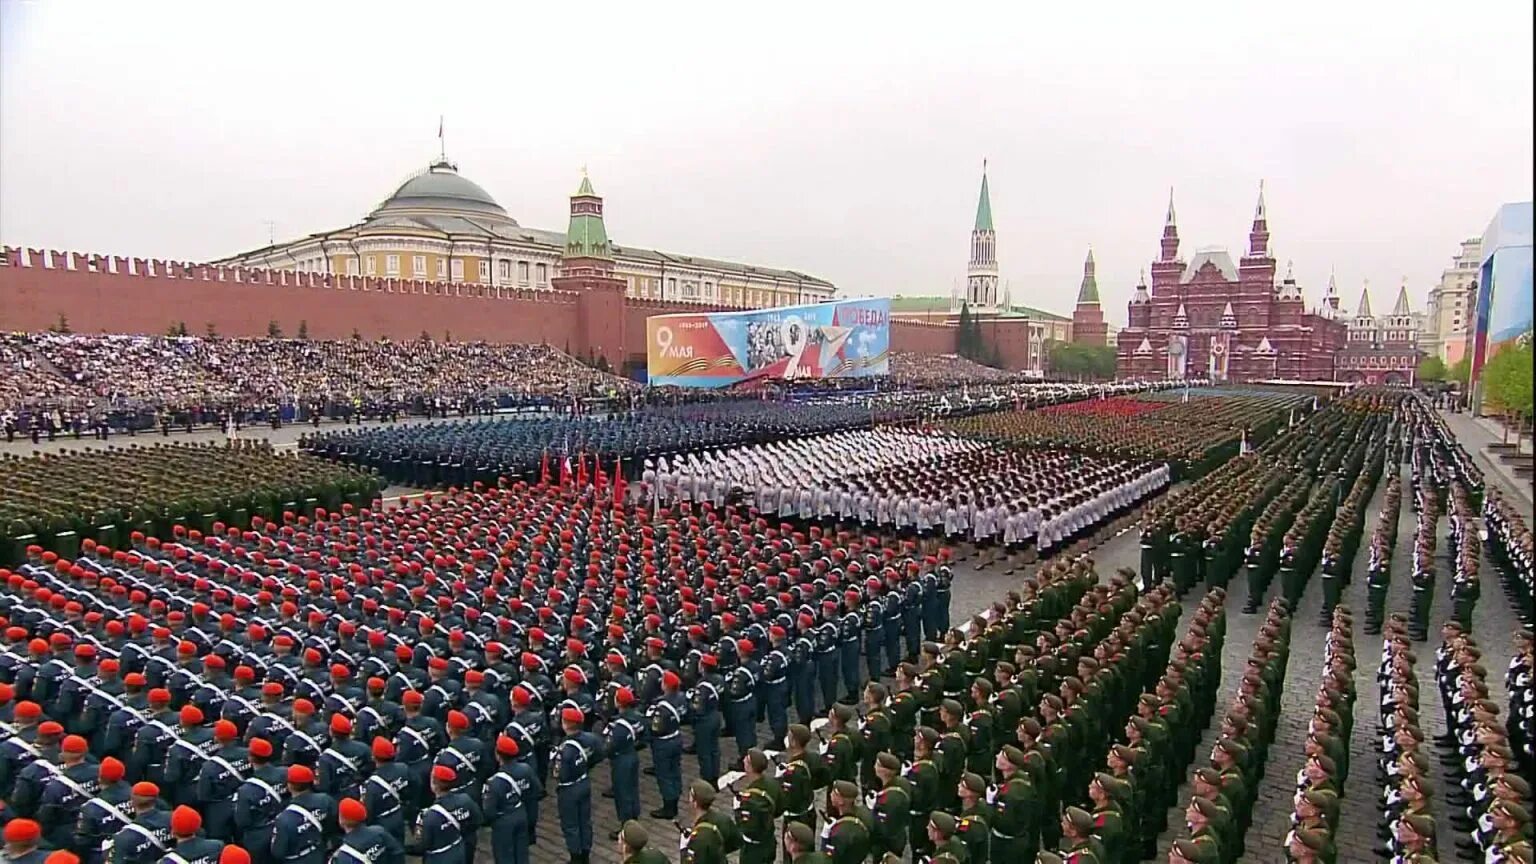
(600, 479)
(581, 470)
(565, 470)
(618, 482)
(544, 469)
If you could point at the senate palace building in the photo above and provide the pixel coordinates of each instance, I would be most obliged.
(441, 226)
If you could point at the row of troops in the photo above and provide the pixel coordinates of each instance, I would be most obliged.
(932, 487)
(1476, 756)
(985, 773)
(301, 739)
(1320, 781)
(1513, 551)
(1344, 536)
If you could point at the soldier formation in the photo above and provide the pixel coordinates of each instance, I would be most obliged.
(339, 682)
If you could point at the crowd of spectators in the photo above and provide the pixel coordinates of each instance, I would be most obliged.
(938, 370)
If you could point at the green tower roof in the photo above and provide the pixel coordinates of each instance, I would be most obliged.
(587, 236)
(1088, 292)
(984, 206)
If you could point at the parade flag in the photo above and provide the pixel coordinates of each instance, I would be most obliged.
(581, 470)
(618, 482)
(565, 470)
(544, 469)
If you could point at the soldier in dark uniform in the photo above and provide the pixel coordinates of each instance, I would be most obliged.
(802, 669)
(850, 630)
(1014, 824)
(625, 732)
(800, 845)
(384, 792)
(24, 842)
(875, 733)
(741, 690)
(940, 833)
(801, 775)
(704, 702)
(773, 689)
(503, 803)
(449, 825)
(219, 778)
(102, 815)
(188, 846)
(925, 778)
(574, 757)
(148, 833)
(258, 800)
(362, 843)
(304, 828)
(665, 723)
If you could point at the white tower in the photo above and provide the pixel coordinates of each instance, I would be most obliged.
(981, 272)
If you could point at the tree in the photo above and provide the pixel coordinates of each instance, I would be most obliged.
(1432, 368)
(1507, 383)
(274, 330)
(602, 363)
(303, 329)
(209, 330)
(60, 326)
(1460, 371)
(177, 328)
(963, 345)
(1069, 360)
(424, 337)
(356, 335)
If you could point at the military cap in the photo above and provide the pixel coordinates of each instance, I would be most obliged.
(1125, 754)
(1512, 809)
(757, 759)
(801, 833)
(1006, 668)
(876, 688)
(1116, 788)
(928, 734)
(1422, 824)
(846, 789)
(1048, 857)
(1208, 808)
(888, 761)
(702, 792)
(943, 821)
(1517, 784)
(1231, 747)
(1031, 726)
(952, 707)
(1079, 818)
(1198, 850)
(800, 734)
(843, 712)
(1014, 755)
(973, 782)
(634, 834)
(1322, 798)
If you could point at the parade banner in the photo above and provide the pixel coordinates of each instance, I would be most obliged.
(840, 339)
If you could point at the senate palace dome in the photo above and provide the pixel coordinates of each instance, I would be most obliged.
(442, 189)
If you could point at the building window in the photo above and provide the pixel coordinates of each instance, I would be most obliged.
(504, 269)
(419, 266)
(543, 272)
(485, 271)
(351, 266)
(371, 264)
(456, 268)
(392, 265)
(522, 272)
(672, 286)
(442, 268)
(709, 291)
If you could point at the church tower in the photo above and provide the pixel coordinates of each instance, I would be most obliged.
(981, 272)
(1088, 326)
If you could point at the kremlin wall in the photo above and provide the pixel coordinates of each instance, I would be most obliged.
(97, 293)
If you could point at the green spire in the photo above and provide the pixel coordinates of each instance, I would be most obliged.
(984, 206)
(587, 237)
(1089, 291)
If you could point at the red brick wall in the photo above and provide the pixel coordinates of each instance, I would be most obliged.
(117, 295)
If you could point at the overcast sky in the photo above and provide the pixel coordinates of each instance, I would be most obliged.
(840, 139)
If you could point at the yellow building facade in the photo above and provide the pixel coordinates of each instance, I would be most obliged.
(440, 226)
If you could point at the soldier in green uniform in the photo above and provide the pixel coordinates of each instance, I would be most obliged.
(800, 845)
(1205, 783)
(953, 752)
(1007, 703)
(757, 809)
(846, 839)
(926, 779)
(942, 839)
(840, 753)
(1193, 851)
(874, 733)
(1014, 820)
(930, 685)
(1201, 817)
(634, 845)
(714, 835)
(903, 710)
(980, 723)
(798, 778)
(1077, 836)
(1041, 765)
(976, 817)
(892, 806)
(1109, 819)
